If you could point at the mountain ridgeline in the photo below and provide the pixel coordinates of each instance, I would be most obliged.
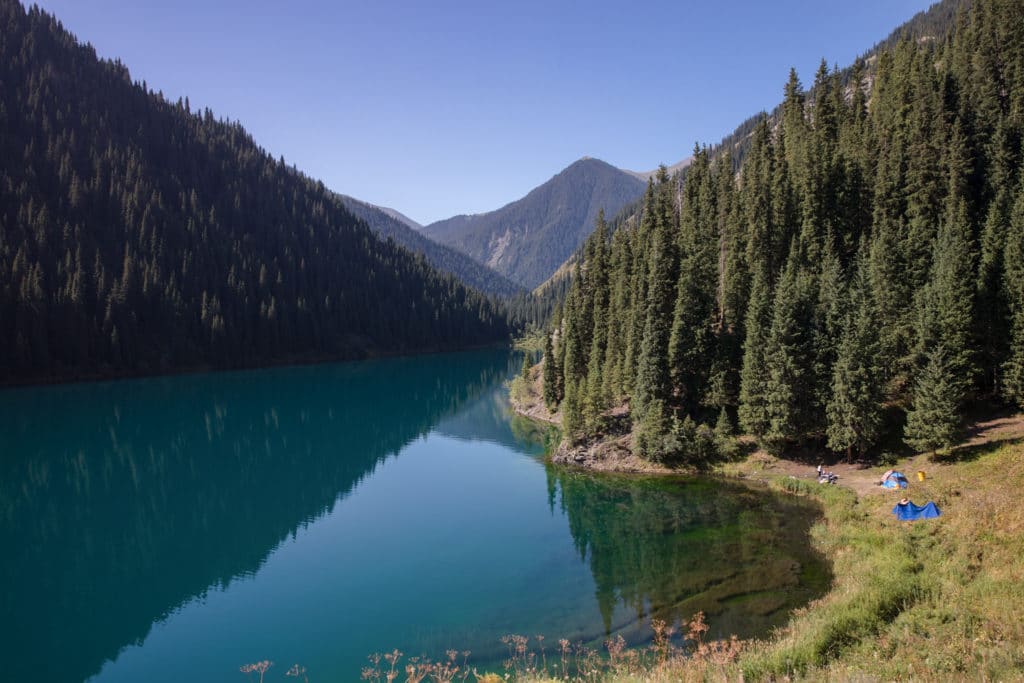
(530, 238)
(862, 273)
(139, 236)
(439, 256)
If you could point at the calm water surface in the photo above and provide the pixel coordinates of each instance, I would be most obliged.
(173, 529)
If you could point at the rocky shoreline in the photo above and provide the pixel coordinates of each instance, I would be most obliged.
(607, 455)
(610, 453)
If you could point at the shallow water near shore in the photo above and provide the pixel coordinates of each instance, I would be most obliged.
(178, 528)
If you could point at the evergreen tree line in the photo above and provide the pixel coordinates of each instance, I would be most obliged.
(923, 26)
(535, 310)
(863, 262)
(137, 235)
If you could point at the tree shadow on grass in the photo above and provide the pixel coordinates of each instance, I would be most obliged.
(972, 452)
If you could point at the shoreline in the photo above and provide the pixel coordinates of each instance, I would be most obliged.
(611, 455)
(296, 361)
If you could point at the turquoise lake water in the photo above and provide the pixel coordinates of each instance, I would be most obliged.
(174, 529)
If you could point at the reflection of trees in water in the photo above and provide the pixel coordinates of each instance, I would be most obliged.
(124, 500)
(671, 548)
(530, 431)
(489, 418)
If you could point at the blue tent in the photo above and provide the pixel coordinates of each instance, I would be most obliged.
(907, 512)
(893, 479)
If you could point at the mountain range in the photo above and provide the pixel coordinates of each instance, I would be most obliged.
(528, 239)
(390, 224)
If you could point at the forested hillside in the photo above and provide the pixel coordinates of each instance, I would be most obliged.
(137, 235)
(441, 257)
(863, 269)
(530, 238)
(935, 22)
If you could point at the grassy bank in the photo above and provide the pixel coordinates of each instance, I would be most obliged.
(936, 599)
(929, 600)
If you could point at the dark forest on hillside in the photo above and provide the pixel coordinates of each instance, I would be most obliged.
(139, 236)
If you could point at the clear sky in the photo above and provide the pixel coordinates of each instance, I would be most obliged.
(436, 107)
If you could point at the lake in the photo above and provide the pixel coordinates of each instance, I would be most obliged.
(177, 528)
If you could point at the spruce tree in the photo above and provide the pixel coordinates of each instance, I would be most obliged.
(855, 407)
(924, 184)
(934, 421)
(595, 400)
(756, 203)
(1013, 279)
(725, 441)
(524, 372)
(618, 317)
(793, 122)
(789, 356)
(690, 351)
(753, 409)
(574, 344)
(654, 438)
(946, 303)
(550, 375)
(638, 290)
(1013, 368)
(652, 380)
(993, 315)
(830, 312)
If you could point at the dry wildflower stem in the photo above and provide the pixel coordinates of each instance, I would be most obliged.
(418, 668)
(296, 671)
(260, 667)
(576, 662)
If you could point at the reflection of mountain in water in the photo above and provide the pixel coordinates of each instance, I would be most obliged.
(121, 501)
(672, 548)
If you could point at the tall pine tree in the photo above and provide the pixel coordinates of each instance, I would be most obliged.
(855, 407)
(1013, 278)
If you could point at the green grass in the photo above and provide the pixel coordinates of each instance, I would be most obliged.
(934, 599)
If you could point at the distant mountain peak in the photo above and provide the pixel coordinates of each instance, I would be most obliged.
(388, 211)
(528, 239)
(388, 223)
(399, 216)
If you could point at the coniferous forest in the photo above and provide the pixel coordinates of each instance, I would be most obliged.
(139, 236)
(860, 272)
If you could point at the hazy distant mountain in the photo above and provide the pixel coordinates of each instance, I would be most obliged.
(398, 215)
(390, 223)
(530, 238)
(674, 168)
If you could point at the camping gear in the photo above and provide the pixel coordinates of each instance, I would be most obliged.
(893, 480)
(908, 512)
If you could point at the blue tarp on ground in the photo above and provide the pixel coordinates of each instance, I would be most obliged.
(893, 479)
(906, 512)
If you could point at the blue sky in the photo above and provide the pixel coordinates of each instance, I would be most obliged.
(439, 108)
